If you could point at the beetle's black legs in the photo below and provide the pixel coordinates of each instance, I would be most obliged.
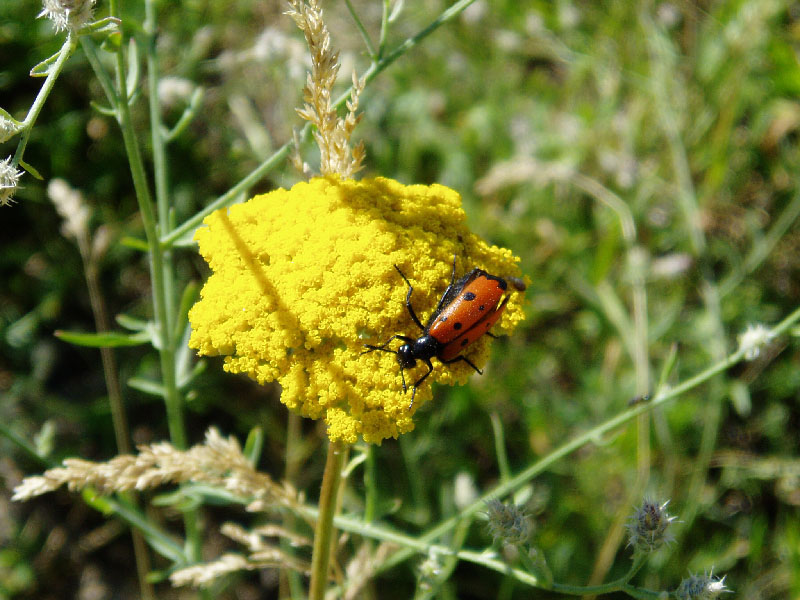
(408, 300)
(459, 359)
(419, 381)
(387, 342)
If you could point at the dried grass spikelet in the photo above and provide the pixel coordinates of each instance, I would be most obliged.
(332, 133)
(361, 570)
(260, 555)
(72, 208)
(218, 461)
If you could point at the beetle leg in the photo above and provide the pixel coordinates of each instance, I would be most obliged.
(382, 347)
(408, 300)
(420, 380)
(462, 358)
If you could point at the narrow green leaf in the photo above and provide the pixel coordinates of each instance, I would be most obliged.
(253, 445)
(103, 110)
(192, 495)
(8, 117)
(188, 115)
(107, 25)
(740, 399)
(186, 380)
(188, 298)
(111, 339)
(137, 92)
(184, 241)
(112, 42)
(135, 243)
(43, 68)
(132, 323)
(133, 68)
(32, 170)
(148, 386)
(669, 364)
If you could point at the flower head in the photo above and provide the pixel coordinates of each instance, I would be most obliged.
(754, 338)
(68, 14)
(303, 278)
(647, 527)
(9, 178)
(508, 523)
(701, 587)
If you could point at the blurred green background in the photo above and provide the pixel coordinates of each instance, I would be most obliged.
(539, 114)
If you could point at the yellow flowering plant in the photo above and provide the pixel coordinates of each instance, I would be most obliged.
(303, 278)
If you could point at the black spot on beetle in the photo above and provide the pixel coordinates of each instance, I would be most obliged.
(464, 342)
(481, 307)
(469, 296)
(457, 326)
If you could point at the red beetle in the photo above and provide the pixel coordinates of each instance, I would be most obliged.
(467, 309)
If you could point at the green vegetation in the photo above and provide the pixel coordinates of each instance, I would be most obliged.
(641, 158)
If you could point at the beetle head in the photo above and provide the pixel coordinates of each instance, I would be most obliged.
(405, 357)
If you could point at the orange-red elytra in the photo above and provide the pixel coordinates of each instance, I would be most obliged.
(468, 308)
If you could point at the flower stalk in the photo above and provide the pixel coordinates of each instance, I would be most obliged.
(70, 44)
(324, 531)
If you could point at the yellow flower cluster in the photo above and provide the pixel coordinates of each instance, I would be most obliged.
(303, 278)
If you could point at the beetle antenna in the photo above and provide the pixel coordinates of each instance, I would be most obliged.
(381, 348)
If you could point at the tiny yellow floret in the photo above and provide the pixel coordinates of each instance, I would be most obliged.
(303, 278)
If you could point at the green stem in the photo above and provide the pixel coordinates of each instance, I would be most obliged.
(484, 559)
(376, 68)
(23, 444)
(500, 447)
(160, 173)
(371, 484)
(144, 198)
(384, 28)
(228, 197)
(538, 566)
(323, 533)
(160, 285)
(90, 50)
(763, 247)
(361, 29)
(52, 74)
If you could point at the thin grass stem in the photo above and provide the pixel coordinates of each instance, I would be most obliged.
(361, 29)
